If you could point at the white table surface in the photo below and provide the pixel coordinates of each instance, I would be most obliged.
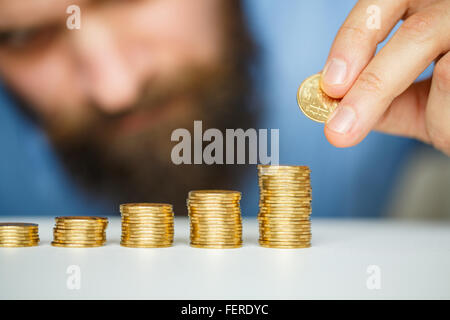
(413, 257)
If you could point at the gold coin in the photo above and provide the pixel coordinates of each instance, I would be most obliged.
(278, 174)
(286, 242)
(155, 228)
(216, 223)
(149, 216)
(146, 233)
(18, 234)
(282, 167)
(147, 239)
(285, 228)
(146, 205)
(18, 245)
(162, 242)
(149, 225)
(281, 246)
(76, 245)
(5, 225)
(295, 187)
(284, 225)
(18, 240)
(313, 102)
(283, 216)
(213, 204)
(147, 236)
(216, 232)
(287, 214)
(285, 207)
(284, 211)
(145, 245)
(306, 242)
(285, 203)
(236, 197)
(216, 217)
(148, 221)
(218, 208)
(81, 218)
(79, 230)
(222, 240)
(215, 246)
(285, 221)
(145, 214)
(284, 234)
(215, 192)
(83, 226)
(80, 236)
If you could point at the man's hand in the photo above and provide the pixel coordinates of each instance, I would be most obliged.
(378, 91)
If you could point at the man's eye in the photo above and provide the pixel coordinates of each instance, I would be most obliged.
(19, 39)
(16, 38)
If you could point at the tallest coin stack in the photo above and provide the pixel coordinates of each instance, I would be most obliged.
(285, 206)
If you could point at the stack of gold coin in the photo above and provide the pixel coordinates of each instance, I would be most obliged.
(79, 232)
(215, 219)
(147, 225)
(18, 234)
(284, 206)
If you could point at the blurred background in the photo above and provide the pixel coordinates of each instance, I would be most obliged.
(86, 115)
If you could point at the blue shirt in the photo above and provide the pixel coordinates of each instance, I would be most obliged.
(294, 38)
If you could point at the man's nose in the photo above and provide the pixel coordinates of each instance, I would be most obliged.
(106, 76)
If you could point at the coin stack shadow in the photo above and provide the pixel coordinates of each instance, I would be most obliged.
(215, 219)
(147, 225)
(285, 206)
(18, 234)
(79, 232)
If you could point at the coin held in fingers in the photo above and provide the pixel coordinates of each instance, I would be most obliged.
(313, 102)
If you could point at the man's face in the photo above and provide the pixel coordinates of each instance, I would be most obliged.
(132, 73)
(122, 48)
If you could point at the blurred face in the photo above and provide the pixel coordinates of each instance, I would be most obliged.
(110, 94)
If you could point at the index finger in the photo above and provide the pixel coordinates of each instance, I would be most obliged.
(356, 42)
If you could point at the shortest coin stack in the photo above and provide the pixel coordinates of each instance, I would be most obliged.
(18, 234)
(79, 232)
(215, 217)
(147, 225)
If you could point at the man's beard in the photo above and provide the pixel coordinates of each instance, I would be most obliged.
(137, 167)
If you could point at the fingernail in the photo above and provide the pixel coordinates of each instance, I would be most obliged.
(342, 120)
(335, 72)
